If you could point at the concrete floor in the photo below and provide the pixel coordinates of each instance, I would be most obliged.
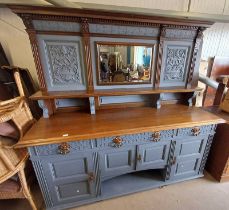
(198, 194)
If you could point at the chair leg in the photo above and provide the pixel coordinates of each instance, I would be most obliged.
(28, 195)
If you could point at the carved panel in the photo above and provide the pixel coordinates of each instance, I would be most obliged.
(62, 62)
(123, 30)
(175, 63)
(204, 130)
(46, 25)
(65, 64)
(180, 34)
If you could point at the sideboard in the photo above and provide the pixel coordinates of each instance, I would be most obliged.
(116, 91)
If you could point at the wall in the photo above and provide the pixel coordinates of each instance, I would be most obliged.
(15, 41)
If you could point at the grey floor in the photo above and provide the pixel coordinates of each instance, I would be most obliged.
(198, 194)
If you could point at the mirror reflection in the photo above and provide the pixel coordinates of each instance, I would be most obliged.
(124, 63)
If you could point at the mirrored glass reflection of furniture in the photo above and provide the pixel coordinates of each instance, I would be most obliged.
(121, 63)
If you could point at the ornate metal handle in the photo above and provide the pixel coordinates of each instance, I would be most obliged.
(91, 177)
(174, 160)
(156, 136)
(64, 148)
(139, 157)
(196, 131)
(117, 142)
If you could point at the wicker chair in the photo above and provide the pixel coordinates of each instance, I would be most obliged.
(13, 161)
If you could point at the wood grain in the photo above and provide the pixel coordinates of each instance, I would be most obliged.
(114, 122)
(108, 92)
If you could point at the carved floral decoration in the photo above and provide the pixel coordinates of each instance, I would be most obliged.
(175, 64)
(65, 63)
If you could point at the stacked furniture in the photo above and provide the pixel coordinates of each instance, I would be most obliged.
(138, 76)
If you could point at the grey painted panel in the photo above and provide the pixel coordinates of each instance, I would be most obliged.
(153, 155)
(61, 103)
(105, 39)
(62, 62)
(180, 33)
(187, 166)
(117, 161)
(175, 63)
(45, 25)
(125, 99)
(72, 183)
(74, 167)
(77, 189)
(191, 147)
(124, 30)
(187, 162)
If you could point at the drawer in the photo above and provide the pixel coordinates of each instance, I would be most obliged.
(196, 131)
(54, 149)
(134, 139)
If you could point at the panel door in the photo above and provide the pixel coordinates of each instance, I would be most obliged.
(70, 178)
(117, 161)
(153, 155)
(187, 157)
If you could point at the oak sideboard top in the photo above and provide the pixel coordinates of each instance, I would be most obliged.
(75, 126)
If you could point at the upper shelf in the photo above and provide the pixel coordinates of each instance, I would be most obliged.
(107, 92)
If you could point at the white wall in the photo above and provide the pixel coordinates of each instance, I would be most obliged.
(15, 41)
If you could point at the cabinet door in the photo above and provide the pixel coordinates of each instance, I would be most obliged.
(117, 161)
(70, 178)
(187, 157)
(153, 155)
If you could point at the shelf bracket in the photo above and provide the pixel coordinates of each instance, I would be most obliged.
(92, 104)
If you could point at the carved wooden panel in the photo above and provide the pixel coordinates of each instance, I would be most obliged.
(46, 25)
(175, 63)
(62, 62)
(123, 30)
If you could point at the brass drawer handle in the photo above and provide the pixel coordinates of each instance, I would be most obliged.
(196, 131)
(156, 136)
(64, 148)
(91, 177)
(139, 157)
(117, 142)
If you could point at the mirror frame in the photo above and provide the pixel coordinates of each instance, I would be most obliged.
(125, 44)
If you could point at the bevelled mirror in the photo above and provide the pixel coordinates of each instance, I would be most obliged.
(124, 63)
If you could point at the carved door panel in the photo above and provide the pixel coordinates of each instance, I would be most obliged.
(117, 161)
(61, 58)
(70, 178)
(175, 65)
(153, 155)
(187, 157)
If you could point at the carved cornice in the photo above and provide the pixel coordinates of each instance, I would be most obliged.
(27, 20)
(182, 27)
(84, 26)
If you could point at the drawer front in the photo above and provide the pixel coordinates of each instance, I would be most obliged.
(135, 139)
(117, 161)
(196, 131)
(69, 178)
(100, 143)
(53, 149)
(153, 155)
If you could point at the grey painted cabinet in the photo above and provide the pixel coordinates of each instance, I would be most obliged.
(69, 178)
(97, 169)
(152, 155)
(117, 161)
(187, 157)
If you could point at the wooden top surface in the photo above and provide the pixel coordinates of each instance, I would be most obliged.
(108, 92)
(63, 127)
(217, 111)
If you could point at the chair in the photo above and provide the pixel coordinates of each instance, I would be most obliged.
(13, 161)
